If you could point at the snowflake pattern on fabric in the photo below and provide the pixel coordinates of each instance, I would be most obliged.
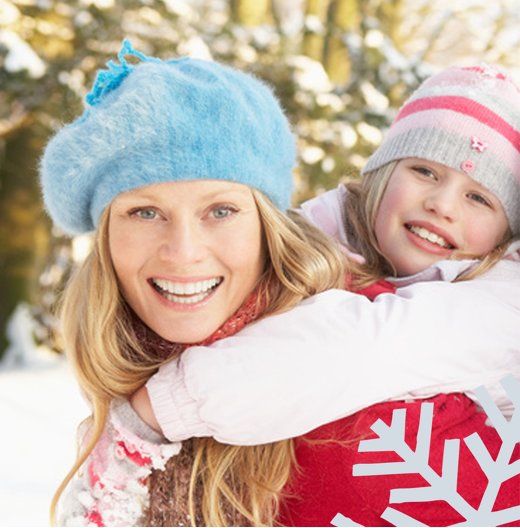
(443, 486)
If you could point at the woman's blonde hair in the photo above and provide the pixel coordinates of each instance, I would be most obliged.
(361, 207)
(109, 361)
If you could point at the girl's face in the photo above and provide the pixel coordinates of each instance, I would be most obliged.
(187, 254)
(429, 210)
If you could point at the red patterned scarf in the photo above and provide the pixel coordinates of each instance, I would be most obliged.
(154, 344)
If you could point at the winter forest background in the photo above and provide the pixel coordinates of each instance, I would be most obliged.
(340, 67)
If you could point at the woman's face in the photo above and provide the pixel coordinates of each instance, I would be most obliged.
(187, 254)
(429, 210)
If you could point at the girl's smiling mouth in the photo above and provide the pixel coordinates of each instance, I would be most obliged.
(186, 292)
(430, 236)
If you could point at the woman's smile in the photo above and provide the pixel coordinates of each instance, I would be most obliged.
(189, 293)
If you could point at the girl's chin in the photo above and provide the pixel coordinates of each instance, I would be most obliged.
(414, 267)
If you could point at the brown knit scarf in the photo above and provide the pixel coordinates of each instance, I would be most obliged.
(169, 488)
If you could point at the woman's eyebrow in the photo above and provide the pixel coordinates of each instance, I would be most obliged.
(211, 195)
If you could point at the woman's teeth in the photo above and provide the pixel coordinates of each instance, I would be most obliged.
(428, 235)
(186, 292)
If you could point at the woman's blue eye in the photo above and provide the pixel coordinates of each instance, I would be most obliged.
(145, 214)
(222, 212)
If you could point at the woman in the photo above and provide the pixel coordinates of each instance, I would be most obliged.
(177, 165)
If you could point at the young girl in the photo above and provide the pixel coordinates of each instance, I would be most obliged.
(177, 165)
(435, 216)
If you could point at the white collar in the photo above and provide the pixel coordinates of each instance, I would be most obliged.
(449, 270)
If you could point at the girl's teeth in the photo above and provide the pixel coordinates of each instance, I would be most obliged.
(428, 235)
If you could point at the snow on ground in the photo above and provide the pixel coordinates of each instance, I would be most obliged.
(40, 408)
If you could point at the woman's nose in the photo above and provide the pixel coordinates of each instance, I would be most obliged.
(182, 243)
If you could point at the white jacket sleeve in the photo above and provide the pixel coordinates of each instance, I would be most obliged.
(337, 352)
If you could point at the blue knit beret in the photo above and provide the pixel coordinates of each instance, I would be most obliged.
(164, 121)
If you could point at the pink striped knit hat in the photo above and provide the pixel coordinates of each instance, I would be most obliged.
(469, 120)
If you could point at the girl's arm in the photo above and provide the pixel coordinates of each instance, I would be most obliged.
(337, 352)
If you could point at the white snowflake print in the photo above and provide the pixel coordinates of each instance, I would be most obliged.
(443, 487)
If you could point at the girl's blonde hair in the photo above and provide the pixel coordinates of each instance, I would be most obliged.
(109, 361)
(361, 207)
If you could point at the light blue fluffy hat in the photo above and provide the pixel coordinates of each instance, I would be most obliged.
(161, 121)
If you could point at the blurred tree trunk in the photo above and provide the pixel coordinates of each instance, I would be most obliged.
(21, 226)
(315, 23)
(390, 14)
(251, 12)
(344, 18)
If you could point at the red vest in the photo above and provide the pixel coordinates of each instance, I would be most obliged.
(324, 484)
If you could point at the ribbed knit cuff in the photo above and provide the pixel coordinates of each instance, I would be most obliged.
(124, 413)
(175, 409)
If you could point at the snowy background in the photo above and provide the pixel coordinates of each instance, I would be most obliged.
(40, 406)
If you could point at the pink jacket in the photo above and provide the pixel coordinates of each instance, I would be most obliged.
(337, 352)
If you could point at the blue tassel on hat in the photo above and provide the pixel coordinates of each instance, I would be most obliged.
(108, 80)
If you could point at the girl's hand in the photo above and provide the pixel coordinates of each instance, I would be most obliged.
(140, 402)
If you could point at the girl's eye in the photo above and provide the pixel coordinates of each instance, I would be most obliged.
(222, 211)
(144, 213)
(425, 171)
(479, 198)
